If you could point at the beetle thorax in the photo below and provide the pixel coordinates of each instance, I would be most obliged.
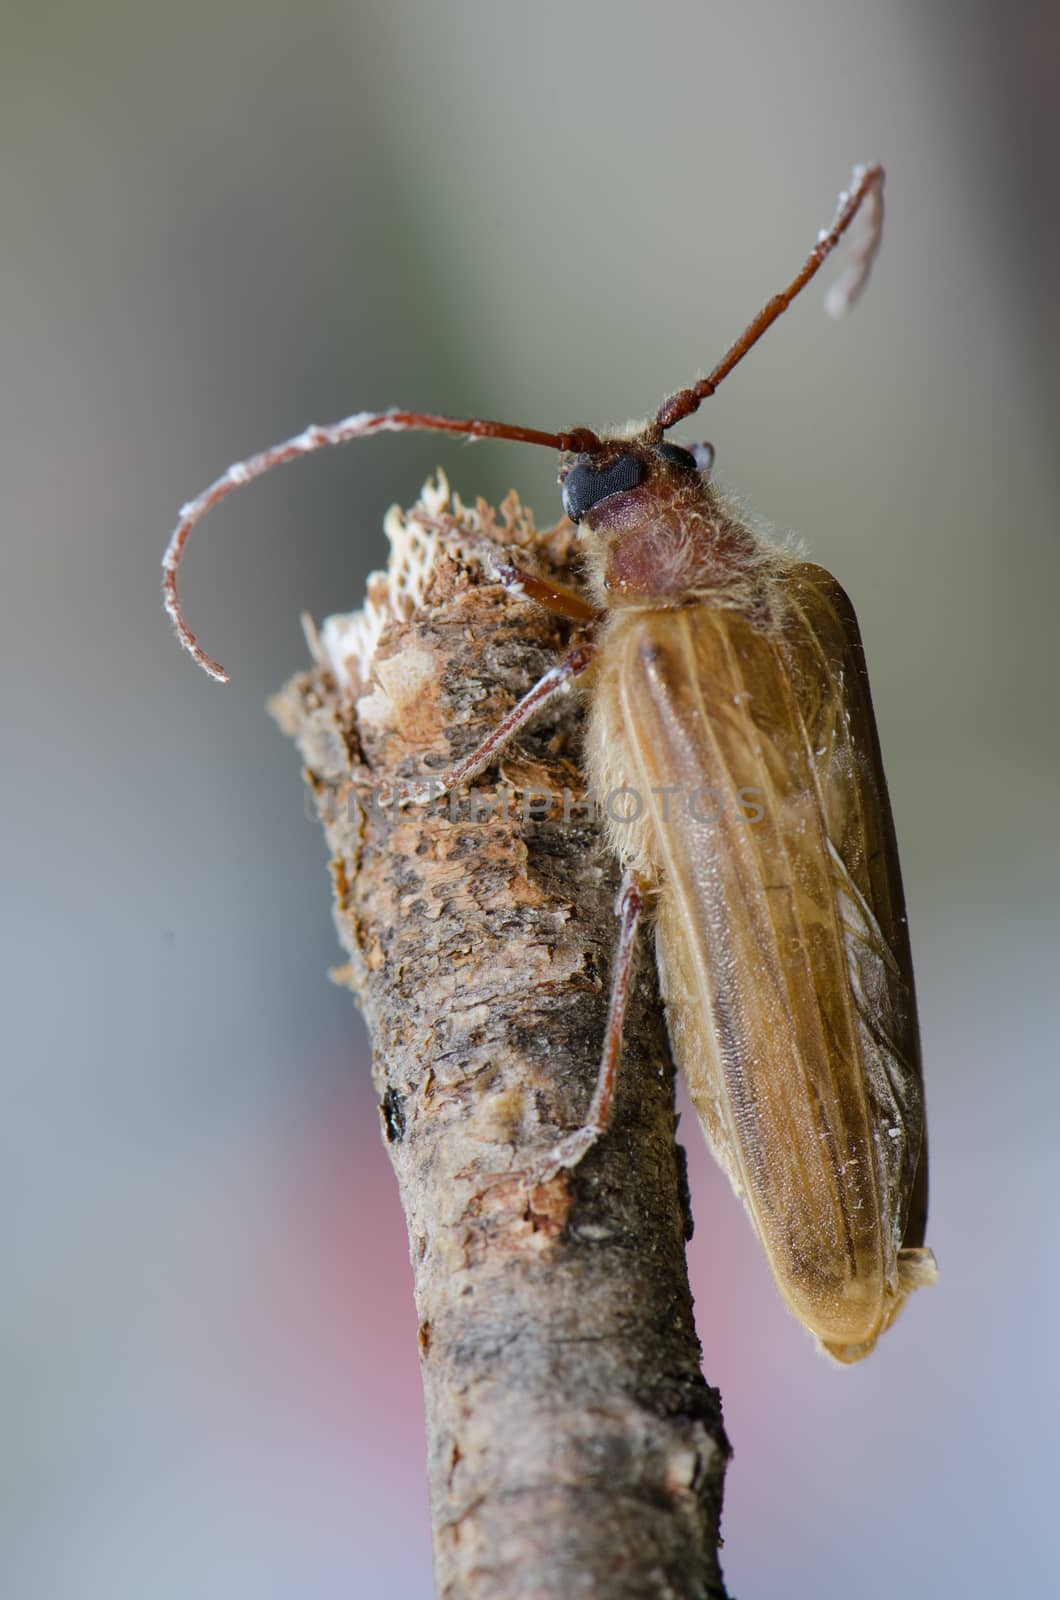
(679, 549)
(649, 547)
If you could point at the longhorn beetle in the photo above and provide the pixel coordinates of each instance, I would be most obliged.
(719, 660)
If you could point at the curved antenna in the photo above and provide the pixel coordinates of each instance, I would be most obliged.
(866, 189)
(316, 437)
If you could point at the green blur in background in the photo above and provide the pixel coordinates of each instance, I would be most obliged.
(220, 222)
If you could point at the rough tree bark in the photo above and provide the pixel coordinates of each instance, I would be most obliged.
(574, 1446)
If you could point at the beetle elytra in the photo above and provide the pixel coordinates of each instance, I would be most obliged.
(717, 660)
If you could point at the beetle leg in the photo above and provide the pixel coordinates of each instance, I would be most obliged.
(554, 682)
(554, 597)
(570, 1150)
(558, 598)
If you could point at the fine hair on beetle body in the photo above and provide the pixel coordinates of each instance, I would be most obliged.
(674, 539)
(715, 659)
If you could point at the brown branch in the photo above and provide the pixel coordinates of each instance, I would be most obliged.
(574, 1447)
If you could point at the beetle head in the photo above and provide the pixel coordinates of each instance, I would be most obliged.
(648, 513)
(602, 487)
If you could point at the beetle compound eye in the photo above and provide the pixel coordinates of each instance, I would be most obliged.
(585, 485)
(678, 457)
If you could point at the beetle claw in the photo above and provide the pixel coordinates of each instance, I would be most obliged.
(566, 1155)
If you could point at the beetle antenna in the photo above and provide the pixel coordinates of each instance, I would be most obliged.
(315, 437)
(866, 189)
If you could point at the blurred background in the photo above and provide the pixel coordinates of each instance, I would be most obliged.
(220, 222)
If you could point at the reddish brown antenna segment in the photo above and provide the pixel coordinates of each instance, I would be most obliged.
(317, 437)
(866, 189)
